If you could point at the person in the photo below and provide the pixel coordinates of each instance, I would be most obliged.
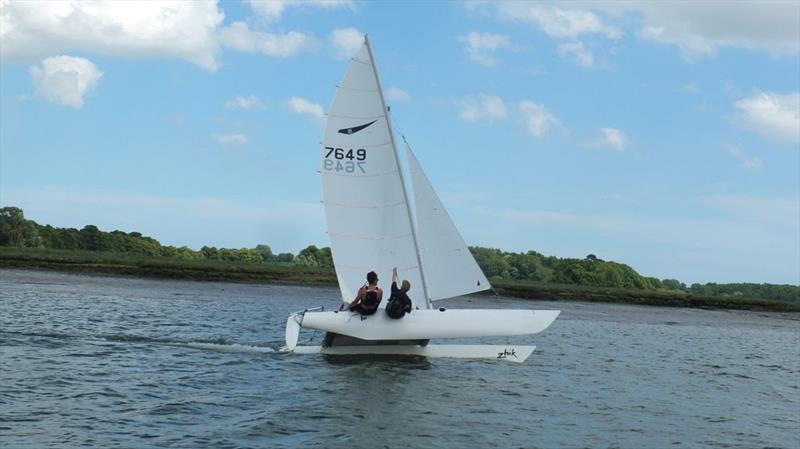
(399, 303)
(369, 296)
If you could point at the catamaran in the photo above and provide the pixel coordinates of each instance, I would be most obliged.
(372, 226)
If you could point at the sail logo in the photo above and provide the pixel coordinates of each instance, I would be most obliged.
(507, 352)
(355, 129)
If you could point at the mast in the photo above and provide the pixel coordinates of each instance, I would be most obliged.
(400, 172)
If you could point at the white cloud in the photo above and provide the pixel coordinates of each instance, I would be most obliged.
(305, 107)
(699, 28)
(245, 103)
(537, 119)
(745, 161)
(555, 21)
(481, 46)
(163, 29)
(485, 107)
(610, 139)
(65, 80)
(271, 10)
(346, 41)
(397, 94)
(240, 37)
(231, 139)
(772, 115)
(582, 56)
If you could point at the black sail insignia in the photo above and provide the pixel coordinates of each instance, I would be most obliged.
(355, 129)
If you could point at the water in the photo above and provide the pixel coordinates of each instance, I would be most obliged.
(117, 362)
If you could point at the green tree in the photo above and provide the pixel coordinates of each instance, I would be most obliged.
(673, 284)
(210, 252)
(315, 257)
(266, 253)
(285, 257)
(15, 230)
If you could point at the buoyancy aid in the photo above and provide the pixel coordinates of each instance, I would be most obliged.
(370, 299)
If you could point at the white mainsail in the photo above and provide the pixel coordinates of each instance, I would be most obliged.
(366, 207)
(450, 269)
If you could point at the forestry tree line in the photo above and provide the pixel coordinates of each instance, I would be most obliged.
(16, 231)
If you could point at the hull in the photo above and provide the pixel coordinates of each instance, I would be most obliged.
(432, 323)
(516, 354)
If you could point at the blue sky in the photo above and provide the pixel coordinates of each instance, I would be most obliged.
(662, 135)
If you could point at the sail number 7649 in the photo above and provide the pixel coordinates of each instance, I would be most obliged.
(339, 159)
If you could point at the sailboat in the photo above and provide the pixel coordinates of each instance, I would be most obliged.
(373, 226)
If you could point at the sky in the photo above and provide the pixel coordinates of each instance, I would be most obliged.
(663, 135)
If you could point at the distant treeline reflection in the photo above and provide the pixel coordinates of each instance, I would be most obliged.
(18, 232)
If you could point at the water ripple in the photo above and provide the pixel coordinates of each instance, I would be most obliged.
(118, 362)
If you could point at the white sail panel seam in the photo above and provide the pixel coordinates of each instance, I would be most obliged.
(359, 237)
(353, 267)
(328, 173)
(357, 90)
(369, 63)
(376, 145)
(354, 206)
(360, 117)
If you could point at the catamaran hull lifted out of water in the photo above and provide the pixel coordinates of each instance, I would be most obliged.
(373, 226)
(379, 334)
(432, 323)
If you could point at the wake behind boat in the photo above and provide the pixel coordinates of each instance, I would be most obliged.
(373, 227)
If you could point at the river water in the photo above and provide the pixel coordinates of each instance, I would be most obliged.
(108, 362)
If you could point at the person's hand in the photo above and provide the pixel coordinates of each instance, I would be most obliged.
(394, 270)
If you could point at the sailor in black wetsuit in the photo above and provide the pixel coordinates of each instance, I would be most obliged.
(399, 303)
(368, 297)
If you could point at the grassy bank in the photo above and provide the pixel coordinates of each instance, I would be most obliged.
(522, 289)
(92, 262)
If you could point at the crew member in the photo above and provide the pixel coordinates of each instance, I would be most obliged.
(399, 303)
(369, 296)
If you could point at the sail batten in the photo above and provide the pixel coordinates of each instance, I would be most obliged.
(358, 206)
(357, 117)
(365, 237)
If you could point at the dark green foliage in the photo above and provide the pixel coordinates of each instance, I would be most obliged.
(266, 253)
(285, 257)
(15, 230)
(747, 290)
(547, 272)
(673, 284)
(532, 266)
(312, 256)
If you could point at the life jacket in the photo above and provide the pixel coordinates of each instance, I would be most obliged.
(396, 307)
(370, 298)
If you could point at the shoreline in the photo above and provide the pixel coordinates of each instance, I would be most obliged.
(220, 271)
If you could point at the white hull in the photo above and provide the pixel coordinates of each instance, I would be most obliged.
(516, 354)
(431, 323)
